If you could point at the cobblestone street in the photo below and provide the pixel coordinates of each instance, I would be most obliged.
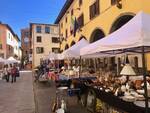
(17, 97)
(45, 95)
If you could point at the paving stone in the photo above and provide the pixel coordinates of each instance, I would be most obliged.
(17, 97)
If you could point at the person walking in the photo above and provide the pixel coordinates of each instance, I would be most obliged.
(13, 73)
(6, 73)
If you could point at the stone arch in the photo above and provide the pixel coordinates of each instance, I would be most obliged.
(72, 43)
(121, 20)
(67, 46)
(96, 35)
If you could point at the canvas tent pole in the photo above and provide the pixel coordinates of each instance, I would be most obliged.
(145, 81)
(79, 66)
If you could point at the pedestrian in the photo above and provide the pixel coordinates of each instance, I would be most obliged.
(13, 73)
(6, 73)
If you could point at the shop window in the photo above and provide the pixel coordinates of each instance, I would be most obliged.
(94, 9)
(55, 40)
(39, 50)
(47, 29)
(38, 39)
(38, 29)
(81, 21)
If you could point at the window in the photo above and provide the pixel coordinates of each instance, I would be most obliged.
(55, 50)
(2, 55)
(39, 50)
(47, 29)
(38, 29)
(94, 9)
(38, 39)
(66, 19)
(30, 51)
(55, 40)
(9, 36)
(52, 30)
(61, 25)
(80, 2)
(81, 21)
(113, 2)
(26, 34)
(72, 12)
(1, 46)
(66, 33)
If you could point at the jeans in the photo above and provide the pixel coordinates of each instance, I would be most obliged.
(7, 77)
(13, 78)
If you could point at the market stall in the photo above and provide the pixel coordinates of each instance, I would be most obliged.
(133, 37)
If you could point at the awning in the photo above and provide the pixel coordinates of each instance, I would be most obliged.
(74, 51)
(134, 34)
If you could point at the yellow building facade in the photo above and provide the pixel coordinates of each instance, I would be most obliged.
(97, 18)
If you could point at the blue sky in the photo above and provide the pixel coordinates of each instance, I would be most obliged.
(19, 13)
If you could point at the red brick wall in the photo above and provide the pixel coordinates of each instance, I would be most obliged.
(25, 47)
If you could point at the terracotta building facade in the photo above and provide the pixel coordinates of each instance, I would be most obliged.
(9, 42)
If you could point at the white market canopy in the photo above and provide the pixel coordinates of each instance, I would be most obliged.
(135, 33)
(2, 60)
(74, 51)
(11, 60)
(55, 56)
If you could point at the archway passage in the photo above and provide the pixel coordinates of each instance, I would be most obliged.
(120, 22)
(72, 43)
(96, 35)
(66, 47)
